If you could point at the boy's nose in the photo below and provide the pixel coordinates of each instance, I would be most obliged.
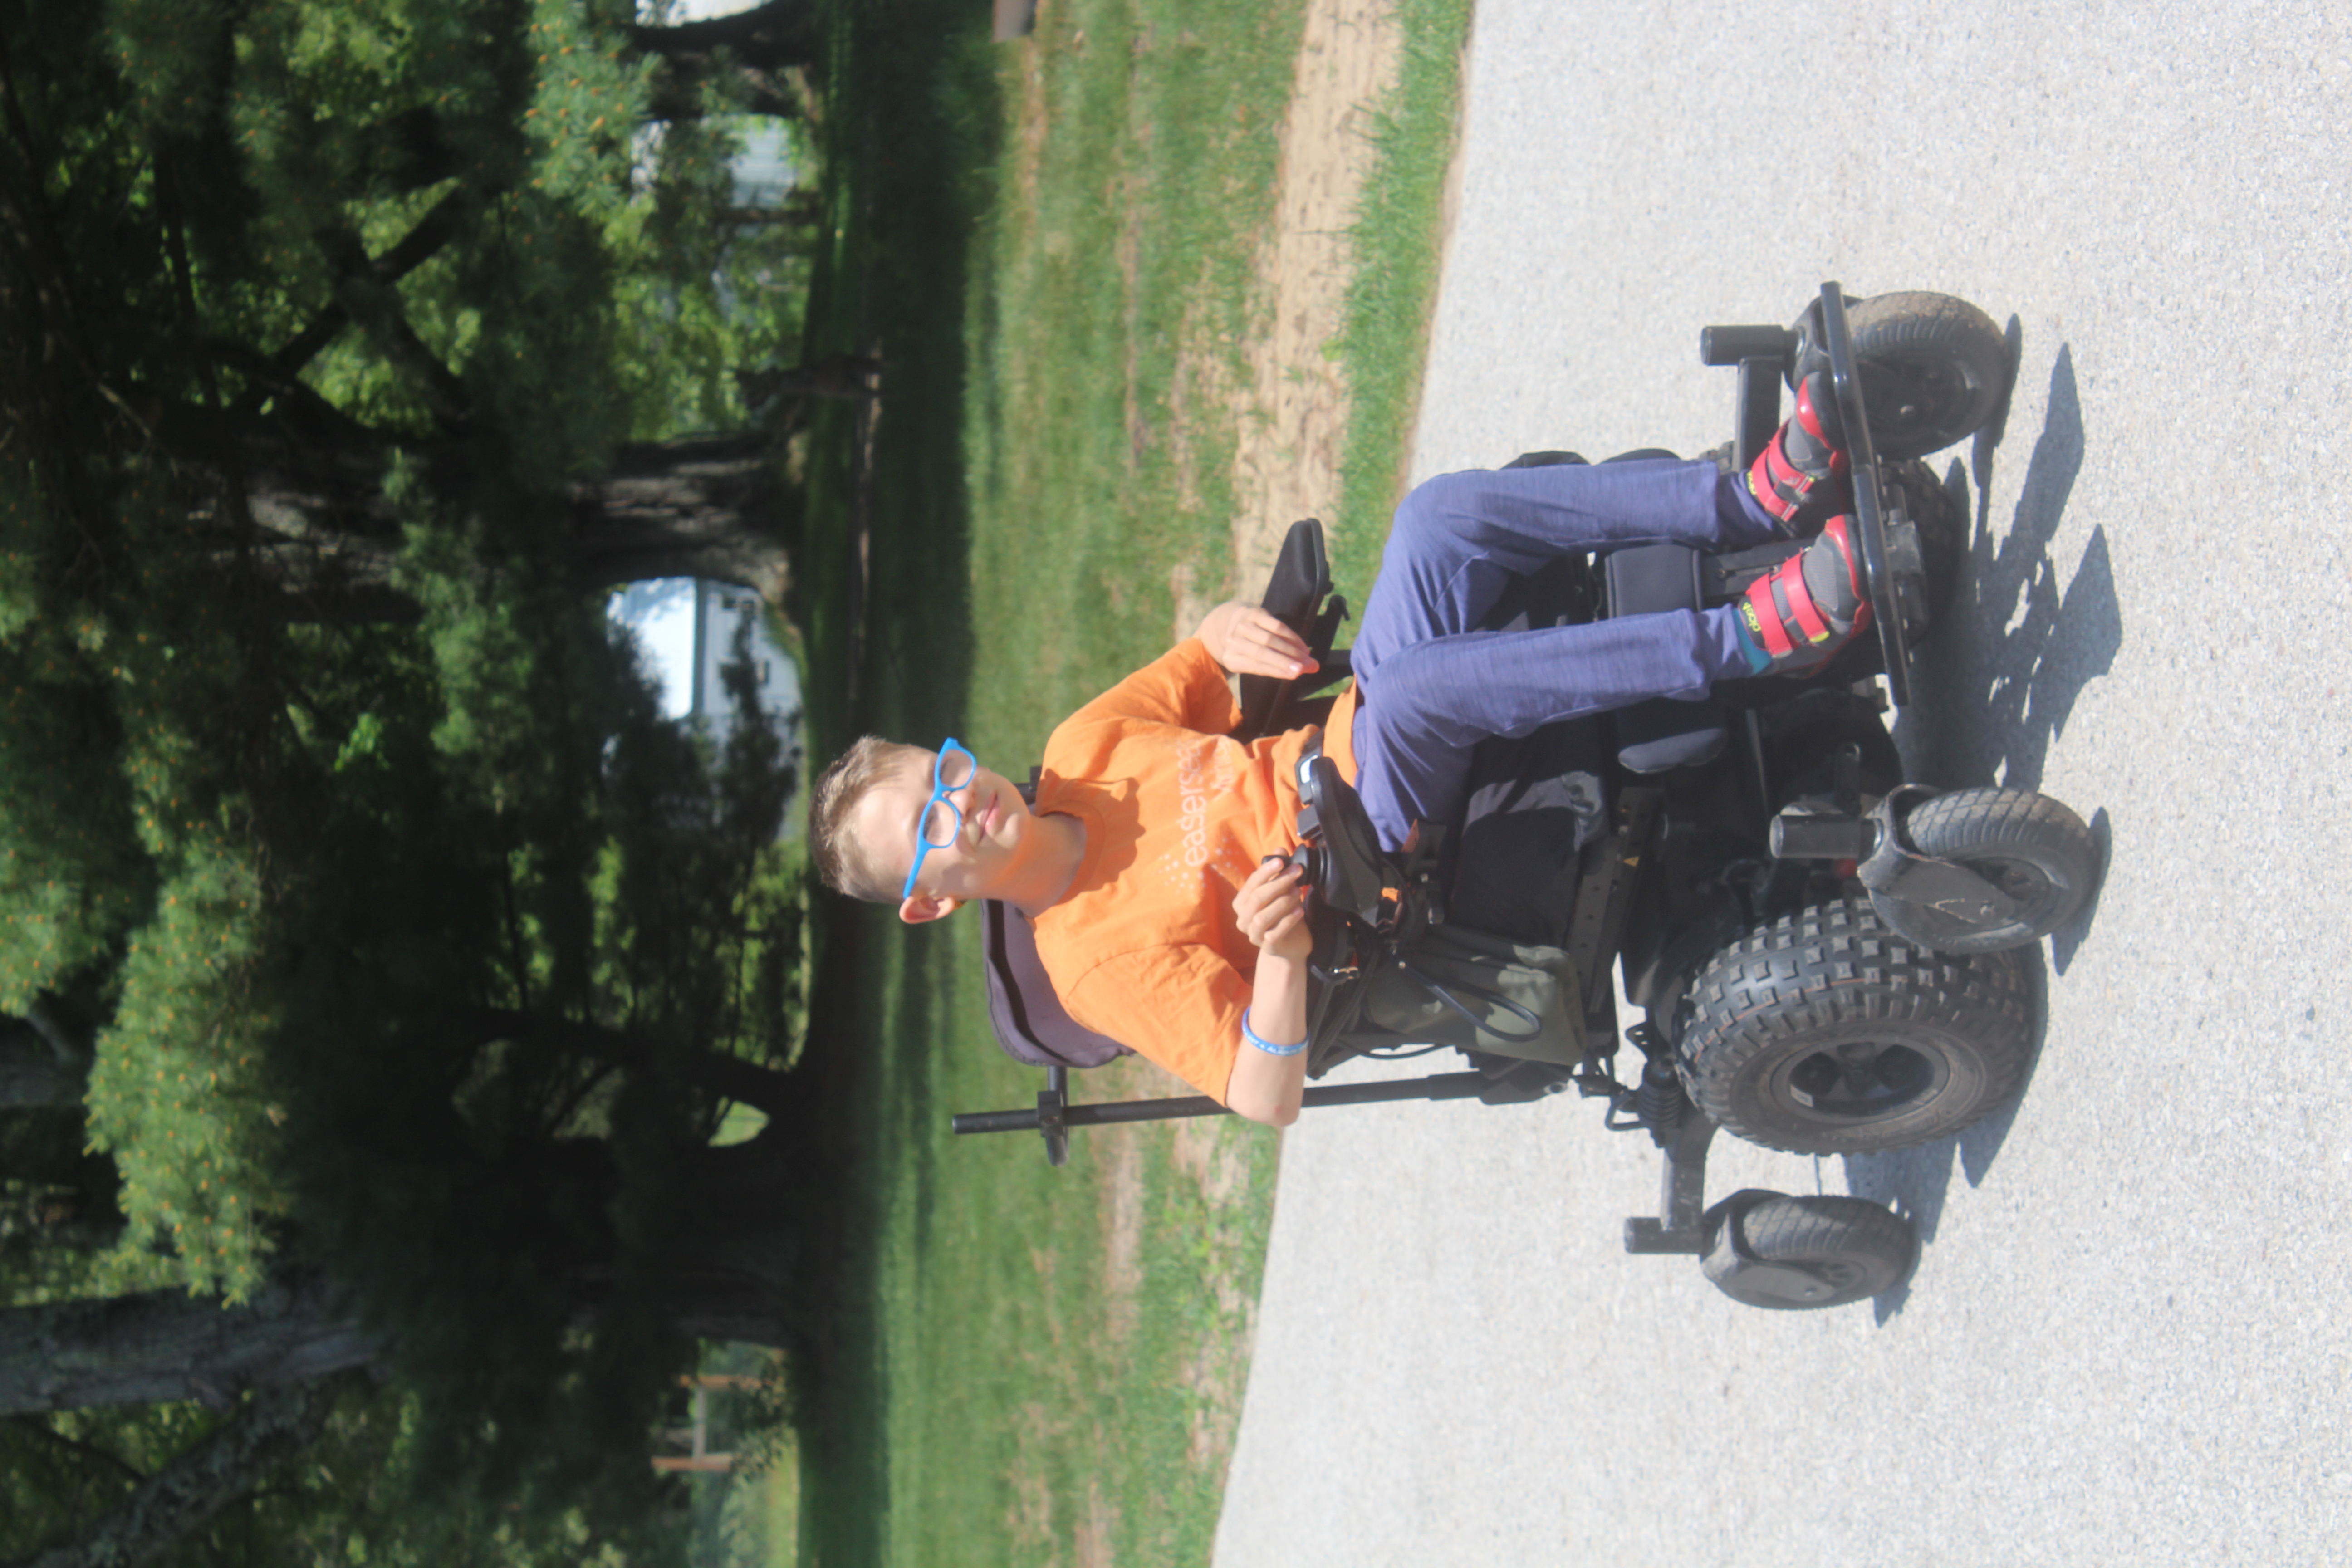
(967, 806)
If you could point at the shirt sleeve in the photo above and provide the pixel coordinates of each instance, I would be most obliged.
(1184, 687)
(1179, 1006)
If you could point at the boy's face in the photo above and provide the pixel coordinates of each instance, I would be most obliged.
(995, 836)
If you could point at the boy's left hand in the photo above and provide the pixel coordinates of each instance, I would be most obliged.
(1271, 909)
(1249, 640)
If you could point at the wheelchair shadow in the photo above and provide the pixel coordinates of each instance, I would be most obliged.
(2003, 673)
(1999, 682)
(1917, 1181)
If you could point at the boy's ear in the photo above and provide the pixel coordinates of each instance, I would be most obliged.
(925, 908)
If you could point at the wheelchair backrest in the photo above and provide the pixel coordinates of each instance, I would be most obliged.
(1031, 1023)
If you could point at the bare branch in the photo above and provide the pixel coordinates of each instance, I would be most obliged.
(70, 1051)
(276, 1423)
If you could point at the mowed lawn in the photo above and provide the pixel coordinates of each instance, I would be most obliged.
(1038, 1365)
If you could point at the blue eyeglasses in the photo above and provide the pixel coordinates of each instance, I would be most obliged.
(942, 820)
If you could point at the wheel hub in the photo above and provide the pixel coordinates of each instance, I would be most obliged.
(1861, 1080)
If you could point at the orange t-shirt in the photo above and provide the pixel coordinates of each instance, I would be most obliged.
(1144, 947)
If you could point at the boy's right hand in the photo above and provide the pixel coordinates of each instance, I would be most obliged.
(1249, 640)
(1271, 909)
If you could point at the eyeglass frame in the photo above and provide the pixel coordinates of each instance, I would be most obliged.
(939, 793)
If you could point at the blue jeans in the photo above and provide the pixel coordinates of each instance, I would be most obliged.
(1431, 685)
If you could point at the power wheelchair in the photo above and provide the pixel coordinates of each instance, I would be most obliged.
(1821, 948)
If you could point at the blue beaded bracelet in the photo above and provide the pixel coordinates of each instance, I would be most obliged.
(1272, 1051)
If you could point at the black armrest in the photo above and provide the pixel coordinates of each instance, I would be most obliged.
(1299, 594)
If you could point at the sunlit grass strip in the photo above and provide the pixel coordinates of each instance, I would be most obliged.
(1398, 243)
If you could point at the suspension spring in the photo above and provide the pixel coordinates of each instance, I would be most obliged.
(1660, 1102)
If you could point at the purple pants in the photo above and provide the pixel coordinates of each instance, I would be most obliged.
(1432, 686)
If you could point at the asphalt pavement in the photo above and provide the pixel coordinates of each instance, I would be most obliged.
(2127, 1339)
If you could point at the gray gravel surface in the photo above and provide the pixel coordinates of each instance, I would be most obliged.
(2126, 1341)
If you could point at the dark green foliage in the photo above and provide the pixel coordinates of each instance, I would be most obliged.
(413, 950)
(346, 1500)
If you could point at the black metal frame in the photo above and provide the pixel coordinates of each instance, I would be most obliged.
(1835, 830)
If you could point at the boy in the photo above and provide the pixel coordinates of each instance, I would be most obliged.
(1140, 865)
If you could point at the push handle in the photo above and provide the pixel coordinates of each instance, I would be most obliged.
(1730, 346)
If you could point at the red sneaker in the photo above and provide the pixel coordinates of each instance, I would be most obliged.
(1805, 461)
(1796, 615)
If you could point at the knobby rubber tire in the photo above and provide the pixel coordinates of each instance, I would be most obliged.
(1859, 1249)
(1934, 370)
(1827, 1032)
(2035, 848)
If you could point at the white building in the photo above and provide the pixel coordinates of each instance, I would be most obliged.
(722, 611)
(686, 628)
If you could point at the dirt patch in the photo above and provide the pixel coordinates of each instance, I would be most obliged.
(1120, 1215)
(1294, 418)
(1090, 1541)
(1206, 1151)
(1291, 410)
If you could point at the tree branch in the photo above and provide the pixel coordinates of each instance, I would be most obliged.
(70, 1052)
(33, 1073)
(715, 1072)
(752, 47)
(278, 374)
(274, 1426)
(106, 1456)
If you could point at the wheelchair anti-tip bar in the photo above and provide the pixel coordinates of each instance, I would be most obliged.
(1055, 1115)
(1438, 1086)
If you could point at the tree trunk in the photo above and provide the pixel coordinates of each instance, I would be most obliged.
(730, 1255)
(715, 507)
(165, 1345)
(274, 1425)
(727, 1263)
(753, 47)
(829, 375)
(711, 506)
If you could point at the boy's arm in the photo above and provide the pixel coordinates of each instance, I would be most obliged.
(1267, 1086)
(1186, 686)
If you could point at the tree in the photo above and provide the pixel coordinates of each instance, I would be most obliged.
(203, 1480)
(403, 962)
(749, 52)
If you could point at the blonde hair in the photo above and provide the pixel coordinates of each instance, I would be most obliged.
(845, 864)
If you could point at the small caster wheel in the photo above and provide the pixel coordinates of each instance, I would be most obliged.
(1792, 1253)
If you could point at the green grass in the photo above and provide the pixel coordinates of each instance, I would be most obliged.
(1140, 171)
(1398, 243)
(1052, 238)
